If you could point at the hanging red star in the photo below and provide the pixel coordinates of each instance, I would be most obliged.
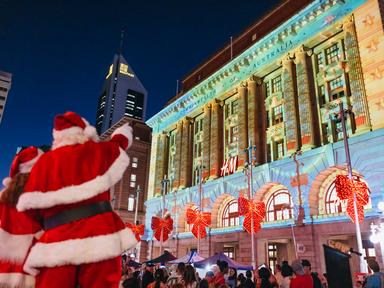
(159, 224)
(138, 230)
(251, 209)
(200, 221)
(345, 189)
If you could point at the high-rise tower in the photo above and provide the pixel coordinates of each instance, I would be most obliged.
(122, 95)
(5, 85)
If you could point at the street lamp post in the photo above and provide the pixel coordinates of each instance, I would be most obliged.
(164, 186)
(341, 118)
(138, 190)
(199, 171)
(250, 150)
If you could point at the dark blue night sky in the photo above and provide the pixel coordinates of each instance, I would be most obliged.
(59, 53)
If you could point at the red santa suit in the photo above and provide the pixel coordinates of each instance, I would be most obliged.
(17, 229)
(68, 182)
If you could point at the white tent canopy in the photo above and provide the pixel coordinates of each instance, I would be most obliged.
(191, 257)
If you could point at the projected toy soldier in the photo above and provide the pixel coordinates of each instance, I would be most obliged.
(69, 186)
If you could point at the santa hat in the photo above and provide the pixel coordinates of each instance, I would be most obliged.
(23, 163)
(70, 124)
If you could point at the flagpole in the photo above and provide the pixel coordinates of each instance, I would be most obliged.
(200, 172)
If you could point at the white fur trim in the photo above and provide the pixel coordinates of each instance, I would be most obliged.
(14, 248)
(79, 251)
(91, 133)
(126, 131)
(76, 193)
(16, 280)
(26, 167)
(75, 130)
(7, 181)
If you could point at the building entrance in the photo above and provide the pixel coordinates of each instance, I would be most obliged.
(279, 250)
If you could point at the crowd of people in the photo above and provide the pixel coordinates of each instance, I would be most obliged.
(296, 275)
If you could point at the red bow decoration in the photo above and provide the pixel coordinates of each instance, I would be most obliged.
(138, 230)
(251, 209)
(200, 221)
(158, 225)
(345, 188)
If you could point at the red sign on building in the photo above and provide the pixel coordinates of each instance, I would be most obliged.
(229, 166)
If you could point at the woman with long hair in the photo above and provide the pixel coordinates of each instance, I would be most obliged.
(159, 280)
(17, 229)
(189, 277)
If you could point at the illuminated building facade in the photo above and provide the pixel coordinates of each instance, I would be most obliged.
(135, 177)
(5, 86)
(122, 95)
(279, 92)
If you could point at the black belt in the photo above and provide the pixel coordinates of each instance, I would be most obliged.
(77, 213)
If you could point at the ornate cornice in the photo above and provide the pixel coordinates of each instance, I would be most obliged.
(273, 46)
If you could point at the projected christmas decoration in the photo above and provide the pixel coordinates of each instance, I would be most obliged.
(162, 227)
(138, 230)
(251, 209)
(345, 189)
(200, 221)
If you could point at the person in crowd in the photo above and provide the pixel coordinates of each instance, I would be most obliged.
(265, 275)
(210, 277)
(248, 282)
(173, 276)
(17, 229)
(204, 284)
(232, 278)
(180, 271)
(376, 280)
(159, 280)
(308, 271)
(189, 277)
(219, 276)
(301, 280)
(278, 275)
(241, 280)
(147, 275)
(133, 281)
(286, 274)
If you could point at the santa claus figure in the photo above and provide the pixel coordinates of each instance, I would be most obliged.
(17, 229)
(83, 237)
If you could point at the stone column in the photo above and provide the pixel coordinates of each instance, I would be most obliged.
(256, 117)
(242, 125)
(216, 143)
(206, 139)
(358, 93)
(177, 165)
(158, 162)
(290, 118)
(305, 92)
(185, 164)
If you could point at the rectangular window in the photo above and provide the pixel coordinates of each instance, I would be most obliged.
(276, 84)
(320, 60)
(277, 114)
(3, 89)
(132, 184)
(2, 98)
(133, 177)
(336, 83)
(332, 53)
(279, 149)
(267, 89)
(229, 252)
(322, 99)
(135, 161)
(131, 203)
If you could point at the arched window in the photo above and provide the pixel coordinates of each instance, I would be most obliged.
(333, 204)
(230, 214)
(279, 206)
